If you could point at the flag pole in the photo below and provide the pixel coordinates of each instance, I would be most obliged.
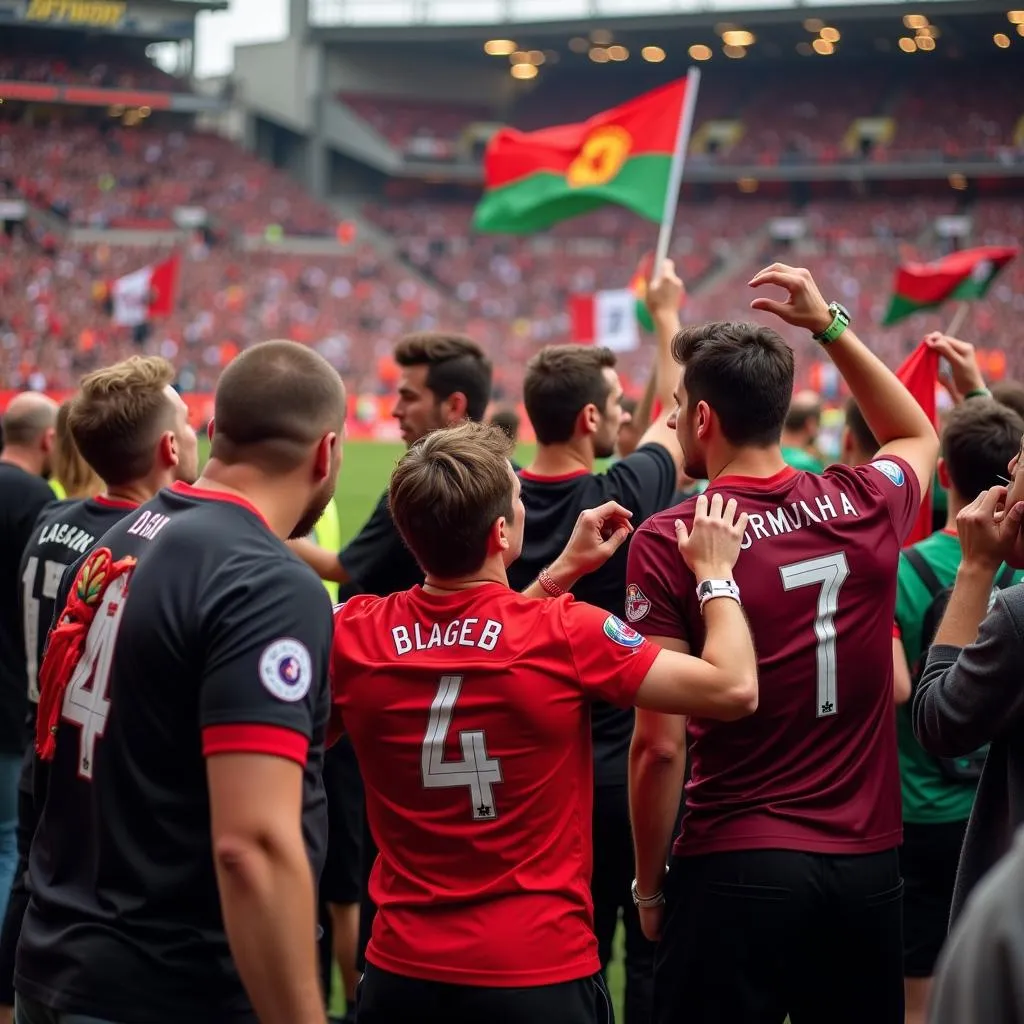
(675, 174)
(959, 318)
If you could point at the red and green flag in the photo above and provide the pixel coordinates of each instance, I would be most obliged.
(533, 180)
(961, 276)
(638, 286)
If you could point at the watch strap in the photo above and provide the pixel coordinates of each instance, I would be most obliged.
(840, 321)
(708, 590)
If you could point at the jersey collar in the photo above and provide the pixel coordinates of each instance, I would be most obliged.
(525, 474)
(123, 503)
(755, 483)
(188, 491)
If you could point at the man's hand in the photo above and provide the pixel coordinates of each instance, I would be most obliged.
(963, 363)
(598, 534)
(651, 919)
(666, 291)
(989, 532)
(710, 548)
(804, 306)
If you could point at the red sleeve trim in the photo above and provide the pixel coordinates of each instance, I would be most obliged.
(275, 740)
(897, 633)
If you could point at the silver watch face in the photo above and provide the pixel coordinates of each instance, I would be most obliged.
(838, 307)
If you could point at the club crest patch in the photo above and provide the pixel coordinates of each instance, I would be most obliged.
(637, 603)
(286, 669)
(891, 470)
(618, 632)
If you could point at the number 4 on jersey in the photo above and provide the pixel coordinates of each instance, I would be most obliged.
(85, 699)
(476, 770)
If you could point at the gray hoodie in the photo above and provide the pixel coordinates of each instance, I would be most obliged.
(971, 696)
(980, 975)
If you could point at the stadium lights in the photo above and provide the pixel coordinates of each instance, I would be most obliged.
(499, 47)
(932, 31)
(519, 57)
(536, 57)
(523, 71)
(814, 25)
(958, 181)
(925, 43)
(914, 20)
(618, 53)
(599, 55)
(735, 52)
(600, 37)
(699, 52)
(653, 54)
(1002, 40)
(823, 47)
(804, 49)
(1020, 29)
(830, 35)
(738, 37)
(747, 185)
(579, 45)
(908, 45)
(1015, 17)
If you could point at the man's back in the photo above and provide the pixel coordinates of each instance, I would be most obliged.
(22, 498)
(215, 634)
(469, 718)
(814, 768)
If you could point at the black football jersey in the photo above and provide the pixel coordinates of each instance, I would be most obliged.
(64, 532)
(217, 640)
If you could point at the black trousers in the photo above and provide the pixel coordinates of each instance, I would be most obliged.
(752, 936)
(367, 908)
(610, 885)
(386, 998)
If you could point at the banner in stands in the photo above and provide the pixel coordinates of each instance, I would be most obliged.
(80, 13)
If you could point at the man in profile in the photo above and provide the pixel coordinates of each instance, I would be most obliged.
(182, 714)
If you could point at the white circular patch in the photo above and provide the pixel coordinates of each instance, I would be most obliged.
(286, 669)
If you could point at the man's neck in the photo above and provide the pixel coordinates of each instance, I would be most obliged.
(242, 482)
(25, 460)
(562, 459)
(492, 571)
(138, 492)
(759, 463)
(954, 506)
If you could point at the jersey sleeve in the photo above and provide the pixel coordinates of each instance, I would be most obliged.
(891, 481)
(656, 579)
(265, 671)
(643, 482)
(609, 658)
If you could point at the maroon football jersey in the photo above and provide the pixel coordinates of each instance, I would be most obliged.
(815, 767)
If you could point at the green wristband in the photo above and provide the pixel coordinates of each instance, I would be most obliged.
(979, 393)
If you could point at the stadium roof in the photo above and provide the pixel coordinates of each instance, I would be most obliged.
(483, 13)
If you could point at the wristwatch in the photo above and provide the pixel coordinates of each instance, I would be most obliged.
(840, 321)
(709, 589)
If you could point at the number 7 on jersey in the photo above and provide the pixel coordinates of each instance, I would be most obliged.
(829, 572)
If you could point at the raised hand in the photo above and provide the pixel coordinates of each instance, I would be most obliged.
(989, 532)
(666, 290)
(598, 534)
(804, 306)
(965, 374)
(712, 545)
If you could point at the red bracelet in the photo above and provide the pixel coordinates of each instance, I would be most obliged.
(548, 585)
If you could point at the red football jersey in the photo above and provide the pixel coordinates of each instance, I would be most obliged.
(470, 718)
(815, 767)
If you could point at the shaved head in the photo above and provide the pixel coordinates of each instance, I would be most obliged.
(27, 418)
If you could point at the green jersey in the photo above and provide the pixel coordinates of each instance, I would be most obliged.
(800, 459)
(929, 796)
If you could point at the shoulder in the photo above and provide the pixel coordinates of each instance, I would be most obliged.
(59, 510)
(874, 474)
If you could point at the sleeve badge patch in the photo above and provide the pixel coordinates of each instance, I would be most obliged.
(286, 669)
(637, 603)
(891, 470)
(618, 632)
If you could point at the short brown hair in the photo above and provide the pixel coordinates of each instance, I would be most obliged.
(69, 468)
(858, 427)
(508, 421)
(454, 364)
(561, 380)
(801, 412)
(446, 494)
(272, 403)
(979, 439)
(744, 372)
(1009, 393)
(118, 415)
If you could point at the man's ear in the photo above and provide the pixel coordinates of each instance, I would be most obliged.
(944, 479)
(455, 408)
(324, 456)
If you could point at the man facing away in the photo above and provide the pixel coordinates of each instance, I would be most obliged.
(573, 397)
(135, 428)
(182, 712)
(784, 891)
(29, 426)
(467, 704)
(800, 433)
(978, 440)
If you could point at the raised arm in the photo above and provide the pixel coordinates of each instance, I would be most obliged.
(324, 563)
(892, 413)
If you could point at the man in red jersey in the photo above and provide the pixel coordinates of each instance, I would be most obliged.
(784, 895)
(468, 706)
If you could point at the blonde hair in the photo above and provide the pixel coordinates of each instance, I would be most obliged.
(119, 414)
(446, 493)
(69, 469)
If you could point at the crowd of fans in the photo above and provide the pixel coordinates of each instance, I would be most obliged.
(81, 67)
